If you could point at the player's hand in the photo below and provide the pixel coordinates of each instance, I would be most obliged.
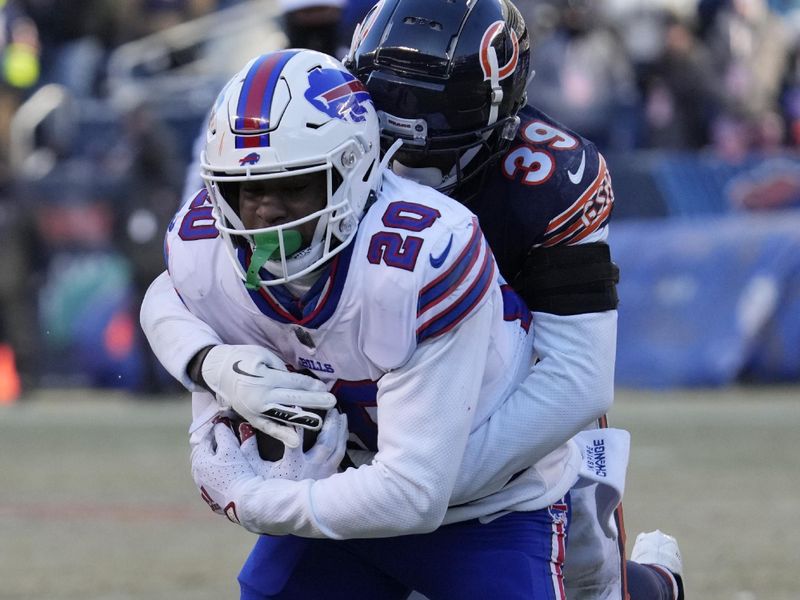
(320, 461)
(220, 469)
(255, 383)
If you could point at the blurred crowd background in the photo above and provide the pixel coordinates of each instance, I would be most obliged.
(695, 103)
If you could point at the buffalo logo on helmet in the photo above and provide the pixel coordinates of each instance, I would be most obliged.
(338, 94)
(250, 159)
(489, 68)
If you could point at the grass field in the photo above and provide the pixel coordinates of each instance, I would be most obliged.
(96, 500)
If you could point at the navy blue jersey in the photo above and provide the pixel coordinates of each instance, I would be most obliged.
(551, 187)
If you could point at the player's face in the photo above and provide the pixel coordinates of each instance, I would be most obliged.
(277, 201)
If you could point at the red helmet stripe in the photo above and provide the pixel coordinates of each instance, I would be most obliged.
(255, 98)
(347, 87)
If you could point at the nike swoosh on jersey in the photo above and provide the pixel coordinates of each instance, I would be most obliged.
(439, 260)
(577, 176)
(236, 369)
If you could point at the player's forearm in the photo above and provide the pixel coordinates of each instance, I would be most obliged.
(175, 334)
(425, 413)
(318, 509)
(277, 507)
(382, 499)
(426, 410)
(570, 386)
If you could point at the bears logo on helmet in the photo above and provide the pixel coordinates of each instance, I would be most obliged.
(449, 78)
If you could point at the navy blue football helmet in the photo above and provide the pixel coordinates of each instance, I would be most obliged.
(448, 78)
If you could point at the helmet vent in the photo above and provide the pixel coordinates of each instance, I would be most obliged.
(435, 25)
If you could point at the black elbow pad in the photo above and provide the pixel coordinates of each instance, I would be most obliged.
(569, 280)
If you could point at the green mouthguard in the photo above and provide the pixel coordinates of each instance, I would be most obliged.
(267, 247)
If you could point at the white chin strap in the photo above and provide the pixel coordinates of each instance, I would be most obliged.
(296, 262)
(387, 157)
(304, 258)
(497, 91)
(430, 176)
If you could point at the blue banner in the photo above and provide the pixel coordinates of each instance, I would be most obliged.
(708, 302)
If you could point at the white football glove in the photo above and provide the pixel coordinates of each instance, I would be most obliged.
(255, 383)
(321, 460)
(224, 468)
(220, 470)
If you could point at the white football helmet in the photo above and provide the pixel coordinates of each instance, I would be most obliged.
(291, 113)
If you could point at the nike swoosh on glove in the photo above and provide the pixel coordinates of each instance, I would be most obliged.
(256, 384)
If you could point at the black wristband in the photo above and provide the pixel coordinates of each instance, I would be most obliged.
(195, 367)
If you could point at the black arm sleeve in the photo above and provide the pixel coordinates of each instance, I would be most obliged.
(569, 280)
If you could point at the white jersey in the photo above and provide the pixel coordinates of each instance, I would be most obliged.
(414, 332)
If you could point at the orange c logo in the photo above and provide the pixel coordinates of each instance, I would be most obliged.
(488, 37)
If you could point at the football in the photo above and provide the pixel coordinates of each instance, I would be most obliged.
(272, 450)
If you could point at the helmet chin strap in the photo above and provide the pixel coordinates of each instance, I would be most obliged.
(430, 176)
(389, 154)
(433, 176)
(497, 91)
(265, 246)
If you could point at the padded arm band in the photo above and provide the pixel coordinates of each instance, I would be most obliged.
(569, 280)
(195, 368)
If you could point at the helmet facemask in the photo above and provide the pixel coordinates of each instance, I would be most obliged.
(448, 162)
(302, 141)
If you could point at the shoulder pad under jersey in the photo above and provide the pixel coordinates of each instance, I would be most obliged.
(190, 241)
(427, 268)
